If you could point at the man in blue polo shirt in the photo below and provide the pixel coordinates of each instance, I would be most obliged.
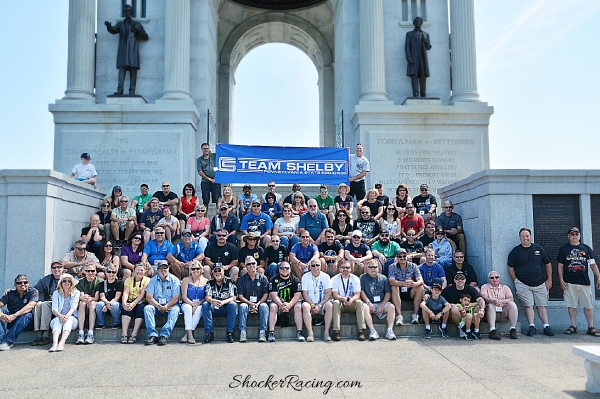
(258, 223)
(162, 295)
(314, 222)
(185, 252)
(302, 253)
(19, 315)
(157, 250)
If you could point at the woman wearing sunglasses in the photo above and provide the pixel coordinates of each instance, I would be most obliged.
(134, 300)
(65, 301)
(193, 290)
(110, 297)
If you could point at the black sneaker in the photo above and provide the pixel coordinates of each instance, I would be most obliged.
(548, 331)
(427, 333)
(468, 335)
(476, 335)
(162, 341)
(209, 338)
(230, 337)
(444, 332)
(318, 321)
(532, 331)
(151, 341)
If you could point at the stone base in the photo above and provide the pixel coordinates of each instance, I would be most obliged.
(130, 144)
(422, 142)
(591, 354)
(125, 99)
(422, 101)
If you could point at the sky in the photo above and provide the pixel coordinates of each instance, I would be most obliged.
(537, 65)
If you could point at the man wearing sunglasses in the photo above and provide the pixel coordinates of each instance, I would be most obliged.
(150, 218)
(253, 290)
(376, 295)
(221, 293)
(452, 225)
(357, 253)
(452, 294)
(285, 291)
(75, 261)
(574, 261)
(500, 306)
(222, 252)
(257, 223)
(162, 295)
(411, 221)
(224, 220)
(122, 221)
(407, 285)
(18, 314)
(316, 291)
(425, 203)
(345, 289)
(314, 222)
(290, 198)
(166, 197)
(459, 264)
(367, 225)
(89, 287)
(186, 251)
(157, 250)
(42, 313)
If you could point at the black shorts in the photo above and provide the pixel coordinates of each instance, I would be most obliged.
(405, 296)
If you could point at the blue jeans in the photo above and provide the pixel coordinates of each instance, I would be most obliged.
(149, 317)
(10, 331)
(445, 262)
(263, 312)
(116, 313)
(272, 270)
(286, 241)
(209, 189)
(208, 310)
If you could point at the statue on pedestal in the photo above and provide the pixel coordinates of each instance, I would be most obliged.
(416, 46)
(128, 55)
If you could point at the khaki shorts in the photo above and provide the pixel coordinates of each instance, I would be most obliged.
(576, 294)
(530, 296)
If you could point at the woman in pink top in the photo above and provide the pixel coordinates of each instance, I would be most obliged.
(198, 224)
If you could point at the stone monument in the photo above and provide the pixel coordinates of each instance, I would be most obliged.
(188, 81)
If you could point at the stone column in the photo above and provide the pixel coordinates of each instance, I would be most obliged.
(372, 57)
(177, 50)
(462, 40)
(81, 57)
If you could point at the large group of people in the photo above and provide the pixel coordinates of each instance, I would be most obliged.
(307, 259)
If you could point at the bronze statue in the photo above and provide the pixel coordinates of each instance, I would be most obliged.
(128, 55)
(416, 46)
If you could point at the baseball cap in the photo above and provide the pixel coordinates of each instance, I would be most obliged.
(357, 233)
(117, 188)
(573, 230)
(224, 206)
(217, 265)
(459, 274)
(85, 155)
(163, 264)
(247, 186)
(402, 251)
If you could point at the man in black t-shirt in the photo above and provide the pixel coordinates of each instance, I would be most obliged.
(223, 252)
(166, 197)
(574, 260)
(530, 268)
(459, 264)
(285, 290)
(331, 252)
(452, 294)
(274, 255)
(425, 203)
(251, 249)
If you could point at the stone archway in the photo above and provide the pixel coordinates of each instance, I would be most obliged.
(277, 28)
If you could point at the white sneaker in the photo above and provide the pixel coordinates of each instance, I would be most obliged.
(4, 346)
(373, 335)
(415, 319)
(390, 334)
(80, 338)
(262, 337)
(243, 336)
(399, 320)
(310, 338)
(89, 339)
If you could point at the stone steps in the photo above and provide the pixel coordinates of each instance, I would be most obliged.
(348, 330)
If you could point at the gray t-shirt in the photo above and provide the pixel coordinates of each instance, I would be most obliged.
(206, 165)
(436, 305)
(375, 288)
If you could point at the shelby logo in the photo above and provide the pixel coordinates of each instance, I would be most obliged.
(227, 164)
(262, 165)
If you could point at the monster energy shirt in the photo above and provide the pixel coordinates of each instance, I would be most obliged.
(285, 288)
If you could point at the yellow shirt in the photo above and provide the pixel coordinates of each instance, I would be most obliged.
(135, 288)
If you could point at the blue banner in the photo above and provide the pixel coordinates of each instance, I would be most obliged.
(286, 165)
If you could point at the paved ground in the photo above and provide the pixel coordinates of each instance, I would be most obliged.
(539, 367)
